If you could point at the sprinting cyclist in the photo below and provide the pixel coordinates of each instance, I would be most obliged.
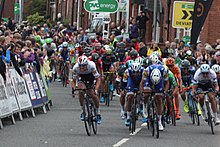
(85, 71)
(133, 77)
(205, 79)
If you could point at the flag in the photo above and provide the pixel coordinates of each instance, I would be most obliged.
(201, 10)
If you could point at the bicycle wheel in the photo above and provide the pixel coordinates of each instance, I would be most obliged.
(156, 121)
(164, 114)
(107, 100)
(191, 109)
(133, 117)
(152, 119)
(63, 75)
(94, 119)
(149, 116)
(196, 115)
(88, 116)
(173, 114)
(210, 119)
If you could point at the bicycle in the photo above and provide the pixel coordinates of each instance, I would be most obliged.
(134, 114)
(153, 123)
(210, 118)
(193, 107)
(168, 114)
(64, 74)
(108, 91)
(89, 112)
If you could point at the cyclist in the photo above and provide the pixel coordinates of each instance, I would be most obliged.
(87, 51)
(216, 69)
(123, 85)
(98, 49)
(98, 62)
(133, 54)
(108, 60)
(64, 54)
(50, 47)
(205, 79)
(170, 63)
(87, 73)
(121, 52)
(133, 77)
(155, 78)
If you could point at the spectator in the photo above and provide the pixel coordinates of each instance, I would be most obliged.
(142, 19)
(143, 49)
(134, 30)
(114, 30)
(154, 48)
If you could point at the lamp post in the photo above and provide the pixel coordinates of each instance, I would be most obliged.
(168, 18)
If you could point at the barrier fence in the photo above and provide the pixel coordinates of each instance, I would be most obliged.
(19, 94)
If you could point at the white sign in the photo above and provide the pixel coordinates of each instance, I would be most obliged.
(106, 20)
(21, 91)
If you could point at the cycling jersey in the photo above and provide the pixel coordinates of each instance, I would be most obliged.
(98, 64)
(132, 80)
(200, 79)
(100, 52)
(147, 74)
(121, 55)
(65, 55)
(187, 79)
(87, 75)
(108, 62)
(172, 80)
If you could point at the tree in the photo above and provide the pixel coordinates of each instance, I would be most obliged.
(36, 19)
(36, 6)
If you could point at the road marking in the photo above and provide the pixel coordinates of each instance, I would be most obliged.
(66, 108)
(144, 124)
(121, 142)
(136, 131)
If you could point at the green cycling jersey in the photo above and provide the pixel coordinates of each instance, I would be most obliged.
(172, 80)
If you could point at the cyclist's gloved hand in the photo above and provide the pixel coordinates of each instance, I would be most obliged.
(96, 92)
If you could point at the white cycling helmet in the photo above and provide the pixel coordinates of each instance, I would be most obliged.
(83, 60)
(136, 66)
(216, 68)
(154, 58)
(65, 44)
(139, 60)
(204, 68)
(155, 76)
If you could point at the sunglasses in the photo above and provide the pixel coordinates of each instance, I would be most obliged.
(205, 73)
(135, 72)
(82, 65)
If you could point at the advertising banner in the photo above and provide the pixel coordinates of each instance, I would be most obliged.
(21, 90)
(201, 11)
(11, 92)
(5, 109)
(33, 88)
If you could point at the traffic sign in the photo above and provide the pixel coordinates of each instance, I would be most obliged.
(106, 20)
(109, 6)
(16, 8)
(182, 14)
(186, 39)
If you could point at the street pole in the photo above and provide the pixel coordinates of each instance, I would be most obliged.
(72, 13)
(155, 20)
(168, 19)
(2, 8)
(21, 9)
(78, 6)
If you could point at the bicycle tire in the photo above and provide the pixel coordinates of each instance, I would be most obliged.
(197, 119)
(210, 119)
(164, 114)
(107, 100)
(152, 119)
(94, 119)
(173, 114)
(133, 117)
(87, 119)
(149, 116)
(65, 77)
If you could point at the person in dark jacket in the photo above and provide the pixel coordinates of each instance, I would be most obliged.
(142, 19)
(143, 49)
(134, 30)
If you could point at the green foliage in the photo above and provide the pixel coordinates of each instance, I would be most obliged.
(36, 19)
(36, 6)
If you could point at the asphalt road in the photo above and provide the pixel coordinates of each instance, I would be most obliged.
(61, 127)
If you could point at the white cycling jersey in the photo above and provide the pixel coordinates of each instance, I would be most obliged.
(91, 69)
(200, 79)
(52, 46)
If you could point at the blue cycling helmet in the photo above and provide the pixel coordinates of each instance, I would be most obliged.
(129, 63)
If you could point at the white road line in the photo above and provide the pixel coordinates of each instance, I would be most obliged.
(121, 142)
(136, 131)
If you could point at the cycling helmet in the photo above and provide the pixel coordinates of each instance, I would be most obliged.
(84, 43)
(87, 51)
(147, 62)
(204, 68)
(154, 58)
(121, 45)
(189, 53)
(216, 68)
(156, 53)
(136, 66)
(83, 60)
(133, 54)
(139, 60)
(185, 64)
(108, 51)
(65, 44)
(49, 41)
(38, 38)
(106, 46)
(112, 48)
(129, 63)
(170, 61)
(95, 57)
(155, 76)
